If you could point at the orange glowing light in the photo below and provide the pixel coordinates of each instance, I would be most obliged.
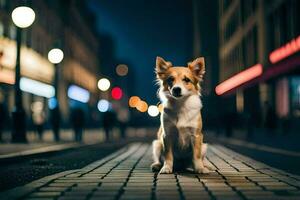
(133, 101)
(288, 49)
(160, 107)
(142, 106)
(239, 79)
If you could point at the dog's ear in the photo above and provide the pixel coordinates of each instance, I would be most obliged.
(162, 66)
(197, 66)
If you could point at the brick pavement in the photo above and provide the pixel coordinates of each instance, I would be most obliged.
(126, 175)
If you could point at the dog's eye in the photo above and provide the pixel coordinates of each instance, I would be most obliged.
(187, 80)
(170, 80)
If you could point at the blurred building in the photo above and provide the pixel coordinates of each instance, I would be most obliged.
(63, 24)
(205, 42)
(250, 30)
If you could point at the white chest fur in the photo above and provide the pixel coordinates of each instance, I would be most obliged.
(184, 113)
(189, 113)
(182, 119)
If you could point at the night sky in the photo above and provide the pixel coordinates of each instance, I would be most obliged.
(135, 32)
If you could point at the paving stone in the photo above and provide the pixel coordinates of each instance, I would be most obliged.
(70, 198)
(127, 175)
(53, 189)
(45, 194)
(65, 185)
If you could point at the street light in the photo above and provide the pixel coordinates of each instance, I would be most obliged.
(55, 56)
(22, 17)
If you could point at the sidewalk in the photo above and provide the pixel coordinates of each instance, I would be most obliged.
(126, 175)
(34, 146)
(47, 144)
(286, 141)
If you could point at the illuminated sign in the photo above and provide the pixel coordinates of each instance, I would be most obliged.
(31, 61)
(36, 87)
(239, 79)
(285, 51)
(79, 94)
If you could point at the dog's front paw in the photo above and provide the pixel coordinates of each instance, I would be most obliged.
(201, 170)
(166, 169)
(155, 167)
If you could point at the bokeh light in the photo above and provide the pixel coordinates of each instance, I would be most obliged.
(55, 56)
(52, 103)
(37, 106)
(153, 111)
(36, 87)
(103, 84)
(103, 105)
(116, 93)
(133, 101)
(142, 106)
(79, 94)
(23, 16)
(122, 70)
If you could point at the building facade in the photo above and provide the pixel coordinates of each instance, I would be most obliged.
(250, 30)
(63, 24)
(205, 41)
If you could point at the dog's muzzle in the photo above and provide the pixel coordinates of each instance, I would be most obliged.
(176, 92)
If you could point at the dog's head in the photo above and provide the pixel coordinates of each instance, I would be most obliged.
(177, 81)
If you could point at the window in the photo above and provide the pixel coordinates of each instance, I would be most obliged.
(2, 3)
(1, 29)
(295, 95)
(248, 8)
(12, 32)
(250, 48)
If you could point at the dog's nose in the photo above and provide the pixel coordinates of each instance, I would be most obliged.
(176, 91)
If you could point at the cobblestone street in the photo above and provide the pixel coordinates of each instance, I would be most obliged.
(126, 174)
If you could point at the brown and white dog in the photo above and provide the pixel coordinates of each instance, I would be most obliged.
(179, 139)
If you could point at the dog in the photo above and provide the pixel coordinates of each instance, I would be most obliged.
(179, 142)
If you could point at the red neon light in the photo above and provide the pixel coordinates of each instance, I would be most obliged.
(288, 49)
(239, 79)
(116, 93)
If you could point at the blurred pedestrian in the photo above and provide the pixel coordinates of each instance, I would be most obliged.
(78, 120)
(123, 116)
(3, 117)
(38, 118)
(108, 122)
(55, 122)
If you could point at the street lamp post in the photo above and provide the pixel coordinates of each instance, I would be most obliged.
(22, 17)
(55, 56)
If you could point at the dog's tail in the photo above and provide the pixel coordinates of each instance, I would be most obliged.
(203, 150)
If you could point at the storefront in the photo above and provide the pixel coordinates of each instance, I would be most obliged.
(80, 91)
(36, 76)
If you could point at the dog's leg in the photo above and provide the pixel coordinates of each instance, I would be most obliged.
(198, 156)
(157, 148)
(168, 154)
(203, 154)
